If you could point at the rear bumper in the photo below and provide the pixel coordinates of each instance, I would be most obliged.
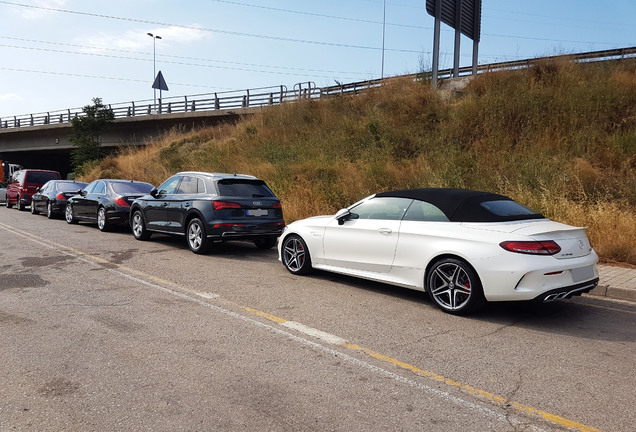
(118, 217)
(244, 235)
(567, 292)
(246, 231)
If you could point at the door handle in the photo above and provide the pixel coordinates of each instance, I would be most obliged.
(165, 204)
(186, 205)
(385, 231)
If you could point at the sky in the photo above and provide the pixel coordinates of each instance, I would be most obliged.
(60, 54)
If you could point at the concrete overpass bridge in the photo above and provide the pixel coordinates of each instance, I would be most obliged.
(47, 146)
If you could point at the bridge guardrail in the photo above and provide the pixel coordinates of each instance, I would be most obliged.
(276, 95)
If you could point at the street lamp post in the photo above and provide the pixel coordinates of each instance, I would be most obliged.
(154, 67)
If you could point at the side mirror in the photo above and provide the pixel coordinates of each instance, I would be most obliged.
(37, 190)
(153, 192)
(81, 192)
(343, 215)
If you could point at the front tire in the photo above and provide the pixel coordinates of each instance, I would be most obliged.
(454, 287)
(20, 205)
(102, 220)
(33, 210)
(197, 237)
(295, 254)
(69, 215)
(138, 226)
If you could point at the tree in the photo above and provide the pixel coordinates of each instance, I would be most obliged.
(87, 131)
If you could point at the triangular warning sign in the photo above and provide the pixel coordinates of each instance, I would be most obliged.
(160, 83)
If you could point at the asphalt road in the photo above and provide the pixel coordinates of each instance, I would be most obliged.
(100, 332)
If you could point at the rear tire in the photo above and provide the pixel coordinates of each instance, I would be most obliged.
(454, 287)
(69, 215)
(102, 220)
(196, 237)
(20, 205)
(49, 210)
(9, 205)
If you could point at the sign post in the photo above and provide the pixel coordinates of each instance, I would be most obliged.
(462, 15)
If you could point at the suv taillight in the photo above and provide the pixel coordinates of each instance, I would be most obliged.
(547, 247)
(222, 205)
(277, 205)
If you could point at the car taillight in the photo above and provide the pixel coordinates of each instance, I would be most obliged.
(547, 247)
(60, 197)
(222, 205)
(226, 225)
(277, 205)
(121, 202)
(279, 223)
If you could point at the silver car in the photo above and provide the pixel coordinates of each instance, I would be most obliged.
(3, 192)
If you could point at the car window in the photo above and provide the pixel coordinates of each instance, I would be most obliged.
(388, 208)
(99, 188)
(40, 177)
(70, 187)
(90, 187)
(506, 208)
(424, 212)
(131, 188)
(244, 188)
(169, 186)
(188, 186)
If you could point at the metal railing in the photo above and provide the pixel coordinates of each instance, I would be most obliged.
(276, 95)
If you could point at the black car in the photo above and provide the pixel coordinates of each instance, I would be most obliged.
(52, 196)
(106, 202)
(210, 207)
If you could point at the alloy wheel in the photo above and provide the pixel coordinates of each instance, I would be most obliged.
(454, 286)
(295, 255)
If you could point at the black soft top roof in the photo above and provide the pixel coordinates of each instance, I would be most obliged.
(460, 205)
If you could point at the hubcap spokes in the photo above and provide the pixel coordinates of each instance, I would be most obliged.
(451, 286)
(194, 236)
(137, 225)
(101, 218)
(294, 254)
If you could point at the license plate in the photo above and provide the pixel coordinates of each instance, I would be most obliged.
(582, 273)
(257, 212)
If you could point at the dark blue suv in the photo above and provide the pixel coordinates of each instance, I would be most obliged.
(210, 207)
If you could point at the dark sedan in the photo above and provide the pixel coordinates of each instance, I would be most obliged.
(52, 196)
(207, 208)
(105, 202)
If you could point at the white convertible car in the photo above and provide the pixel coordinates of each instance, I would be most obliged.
(463, 247)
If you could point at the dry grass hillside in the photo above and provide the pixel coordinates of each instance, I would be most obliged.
(559, 137)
